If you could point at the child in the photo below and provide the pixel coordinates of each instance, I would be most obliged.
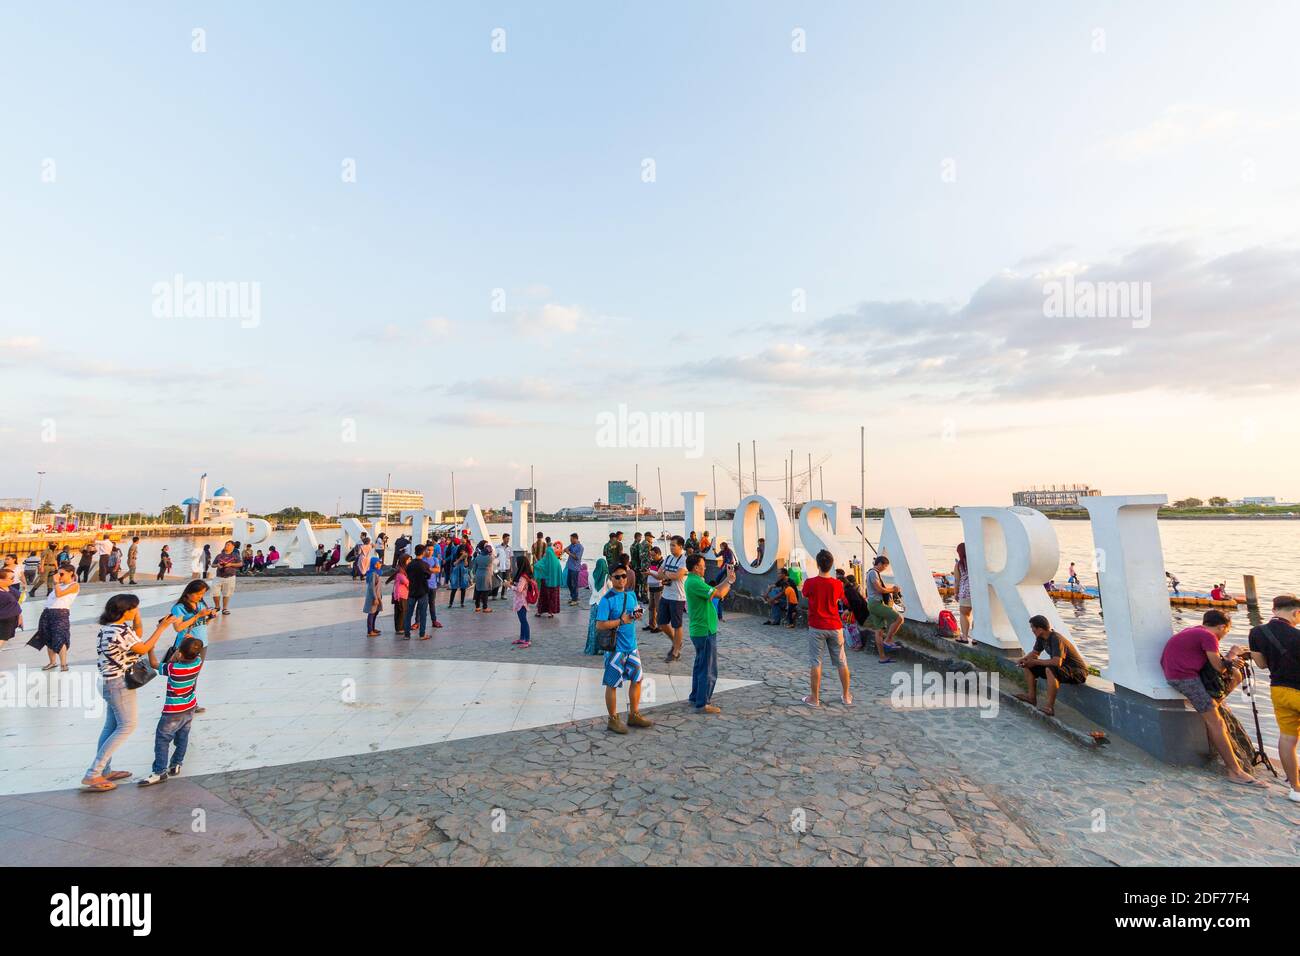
(401, 593)
(523, 580)
(259, 562)
(53, 630)
(182, 671)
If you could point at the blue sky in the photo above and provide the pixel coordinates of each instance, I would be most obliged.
(1161, 150)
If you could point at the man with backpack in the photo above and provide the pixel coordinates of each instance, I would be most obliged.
(1276, 646)
(616, 618)
(1185, 655)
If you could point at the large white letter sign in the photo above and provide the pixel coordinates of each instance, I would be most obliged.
(478, 528)
(420, 521)
(519, 521)
(745, 532)
(304, 544)
(693, 513)
(898, 541)
(250, 530)
(353, 530)
(1131, 566)
(1003, 601)
(814, 535)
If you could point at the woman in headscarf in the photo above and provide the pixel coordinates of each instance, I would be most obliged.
(549, 577)
(482, 568)
(458, 573)
(599, 585)
(374, 590)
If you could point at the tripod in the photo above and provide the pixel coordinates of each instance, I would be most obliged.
(1248, 688)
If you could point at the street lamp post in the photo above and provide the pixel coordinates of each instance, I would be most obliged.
(36, 503)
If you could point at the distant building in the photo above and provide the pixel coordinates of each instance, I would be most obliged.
(1270, 500)
(218, 509)
(529, 495)
(381, 502)
(622, 493)
(1065, 496)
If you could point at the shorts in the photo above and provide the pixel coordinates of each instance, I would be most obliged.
(1064, 675)
(1286, 709)
(8, 627)
(880, 614)
(671, 612)
(620, 666)
(1195, 692)
(832, 641)
(224, 587)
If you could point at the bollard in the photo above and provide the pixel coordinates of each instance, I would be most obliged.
(1252, 595)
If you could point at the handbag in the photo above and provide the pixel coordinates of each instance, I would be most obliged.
(139, 674)
(607, 639)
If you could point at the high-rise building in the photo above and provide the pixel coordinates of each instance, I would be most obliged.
(529, 495)
(622, 493)
(381, 502)
(1065, 496)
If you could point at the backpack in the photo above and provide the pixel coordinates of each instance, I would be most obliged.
(948, 623)
(532, 595)
(351, 555)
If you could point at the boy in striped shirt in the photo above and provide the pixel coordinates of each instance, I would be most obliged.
(182, 671)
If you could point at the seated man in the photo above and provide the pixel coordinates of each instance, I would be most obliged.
(1184, 655)
(1063, 665)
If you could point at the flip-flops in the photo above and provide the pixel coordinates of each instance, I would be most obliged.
(99, 784)
(885, 660)
(117, 775)
(810, 702)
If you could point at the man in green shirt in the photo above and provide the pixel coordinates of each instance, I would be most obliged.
(702, 618)
(612, 550)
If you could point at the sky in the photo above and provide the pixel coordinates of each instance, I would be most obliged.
(466, 234)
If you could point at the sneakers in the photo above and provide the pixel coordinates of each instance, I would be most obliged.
(634, 719)
(174, 771)
(709, 709)
(153, 778)
(1294, 796)
(616, 725)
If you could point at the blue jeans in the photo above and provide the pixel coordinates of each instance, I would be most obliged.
(119, 722)
(774, 615)
(171, 727)
(524, 632)
(573, 583)
(704, 674)
(419, 609)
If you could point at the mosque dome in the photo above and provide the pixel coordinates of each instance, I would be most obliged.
(221, 493)
(190, 501)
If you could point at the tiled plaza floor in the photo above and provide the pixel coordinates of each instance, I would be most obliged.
(321, 745)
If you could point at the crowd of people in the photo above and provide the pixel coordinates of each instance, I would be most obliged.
(636, 587)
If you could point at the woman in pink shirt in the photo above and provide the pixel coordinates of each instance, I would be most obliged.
(401, 591)
(519, 591)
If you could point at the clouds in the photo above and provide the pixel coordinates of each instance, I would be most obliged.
(1214, 320)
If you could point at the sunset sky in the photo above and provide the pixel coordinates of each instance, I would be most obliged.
(856, 234)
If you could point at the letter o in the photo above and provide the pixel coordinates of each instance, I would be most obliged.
(776, 529)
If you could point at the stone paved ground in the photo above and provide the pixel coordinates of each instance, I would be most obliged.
(769, 781)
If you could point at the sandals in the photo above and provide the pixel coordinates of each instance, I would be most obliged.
(49, 667)
(117, 775)
(810, 702)
(98, 783)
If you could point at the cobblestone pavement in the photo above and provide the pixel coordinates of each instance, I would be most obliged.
(769, 781)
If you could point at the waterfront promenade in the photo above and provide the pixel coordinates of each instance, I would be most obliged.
(320, 746)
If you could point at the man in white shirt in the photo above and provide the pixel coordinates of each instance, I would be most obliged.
(672, 606)
(505, 559)
(103, 548)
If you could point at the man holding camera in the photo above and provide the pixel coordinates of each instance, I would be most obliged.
(618, 613)
(1186, 653)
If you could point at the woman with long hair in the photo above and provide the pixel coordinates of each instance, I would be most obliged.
(961, 581)
(120, 645)
(53, 627)
(401, 592)
(164, 562)
(519, 594)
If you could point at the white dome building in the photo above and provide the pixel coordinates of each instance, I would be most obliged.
(219, 509)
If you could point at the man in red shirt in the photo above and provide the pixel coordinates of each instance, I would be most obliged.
(1184, 655)
(824, 594)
